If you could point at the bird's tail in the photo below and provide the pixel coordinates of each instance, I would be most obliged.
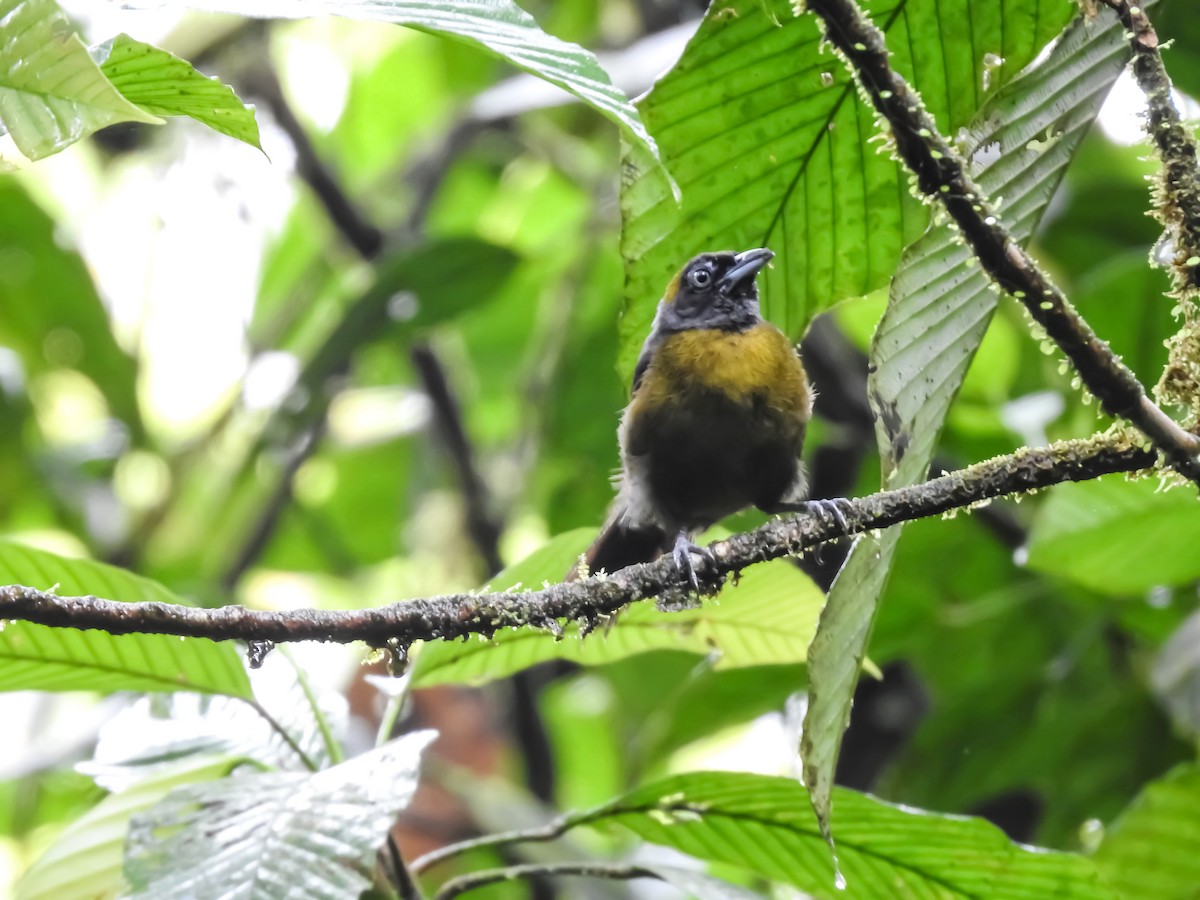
(620, 545)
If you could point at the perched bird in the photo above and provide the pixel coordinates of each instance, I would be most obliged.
(716, 422)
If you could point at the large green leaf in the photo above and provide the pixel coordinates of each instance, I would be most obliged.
(768, 617)
(51, 91)
(498, 26)
(1149, 853)
(50, 312)
(1118, 536)
(274, 834)
(940, 306)
(35, 657)
(165, 85)
(85, 861)
(766, 825)
(768, 143)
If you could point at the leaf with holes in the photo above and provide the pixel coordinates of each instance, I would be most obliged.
(940, 306)
(767, 618)
(36, 657)
(770, 146)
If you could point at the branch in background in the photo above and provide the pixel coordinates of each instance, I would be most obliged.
(481, 525)
(1178, 205)
(941, 174)
(369, 242)
(458, 615)
(612, 871)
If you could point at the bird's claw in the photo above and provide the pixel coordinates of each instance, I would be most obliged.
(682, 554)
(831, 509)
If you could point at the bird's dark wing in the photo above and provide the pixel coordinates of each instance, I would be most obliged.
(647, 354)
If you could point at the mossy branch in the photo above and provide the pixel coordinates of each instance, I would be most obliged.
(941, 174)
(589, 602)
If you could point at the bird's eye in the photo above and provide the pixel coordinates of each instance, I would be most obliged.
(700, 278)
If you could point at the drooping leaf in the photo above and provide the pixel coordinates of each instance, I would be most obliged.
(766, 825)
(768, 142)
(1149, 853)
(768, 617)
(36, 657)
(939, 308)
(51, 91)
(163, 84)
(86, 860)
(499, 27)
(274, 834)
(1081, 526)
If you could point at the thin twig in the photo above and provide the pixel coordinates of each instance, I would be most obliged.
(589, 601)
(550, 831)
(941, 173)
(612, 871)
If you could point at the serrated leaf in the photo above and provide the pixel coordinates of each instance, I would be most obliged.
(86, 860)
(766, 825)
(274, 834)
(768, 617)
(939, 308)
(1150, 851)
(51, 91)
(768, 142)
(36, 657)
(165, 85)
(1157, 531)
(499, 27)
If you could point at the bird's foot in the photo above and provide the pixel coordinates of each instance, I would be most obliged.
(682, 554)
(831, 509)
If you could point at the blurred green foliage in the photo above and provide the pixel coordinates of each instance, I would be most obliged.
(1023, 633)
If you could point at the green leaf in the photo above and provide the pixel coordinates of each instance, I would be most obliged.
(165, 85)
(499, 27)
(51, 91)
(1118, 536)
(275, 834)
(1150, 851)
(940, 306)
(85, 861)
(50, 312)
(768, 142)
(767, 618)
(36, 657)
(766, 825)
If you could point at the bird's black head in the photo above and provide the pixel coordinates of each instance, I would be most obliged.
(714, 290)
